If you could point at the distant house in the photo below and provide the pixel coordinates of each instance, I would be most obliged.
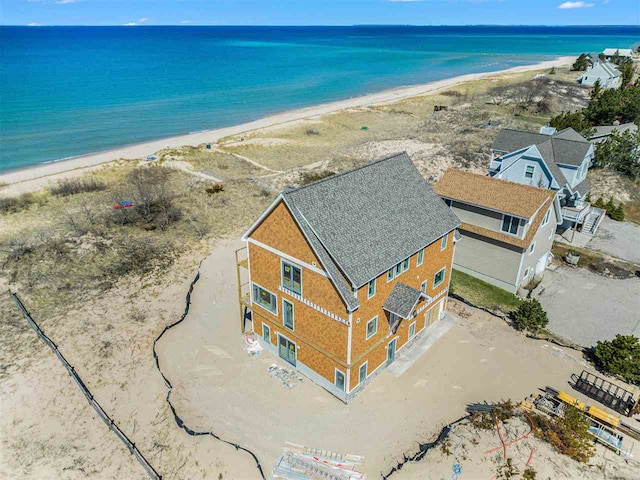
(558, 162)
(610, 53)
(606, 73)
(346, 273)
(507, 228)
(603, 132)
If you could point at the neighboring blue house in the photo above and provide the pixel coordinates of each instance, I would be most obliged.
(553, 160)
(604, 72)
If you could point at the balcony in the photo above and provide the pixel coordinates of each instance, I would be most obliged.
(577, 212)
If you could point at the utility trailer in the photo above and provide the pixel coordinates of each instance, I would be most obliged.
(604, 392)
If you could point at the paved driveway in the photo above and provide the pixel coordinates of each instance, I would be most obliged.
(619, 239)
(585, 307)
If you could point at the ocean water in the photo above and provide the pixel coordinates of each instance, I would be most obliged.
(67, 91)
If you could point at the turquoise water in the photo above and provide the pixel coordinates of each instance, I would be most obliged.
(67, 91)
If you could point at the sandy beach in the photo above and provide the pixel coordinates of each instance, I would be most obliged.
(36, 177)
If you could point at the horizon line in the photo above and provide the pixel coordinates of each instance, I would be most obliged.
(327, 25)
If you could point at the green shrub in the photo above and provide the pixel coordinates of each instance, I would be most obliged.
(310, 177)
(620, 356)
(610, 206)
(588, 198)
(581, 63)
(530, 317)
(618, 214)
(575, 120)
(73, 186)
(15, 204)
(569, 435)
(599, 202)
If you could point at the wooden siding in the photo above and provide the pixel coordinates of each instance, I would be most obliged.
(279, 230)
(321, 340)
(374, 349)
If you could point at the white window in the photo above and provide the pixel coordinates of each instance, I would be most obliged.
(398, 269)
(510, 224)
(339, 380)
(420, 258)
(443, 242)
(532, 248)
(438, 278)
(292, 277)
(372, 288)
(528, 171)
(551, 232)
(405, 265)
(372, 327)
(423, 287)
(265, 299)
(527, 272)
(266, 333)
(546, 218)
(412, 330)
(287, 314)
(362, 372)
(390, 275)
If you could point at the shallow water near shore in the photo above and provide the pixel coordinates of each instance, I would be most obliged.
(68, 91)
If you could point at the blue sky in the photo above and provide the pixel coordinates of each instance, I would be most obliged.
(319, 12)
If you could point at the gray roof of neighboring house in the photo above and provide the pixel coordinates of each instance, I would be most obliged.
(582, 188)
(602, 69)
(402, 299)
(565, 147)
(546, 150)
(371, 218)
(606, 130)
(623, 52)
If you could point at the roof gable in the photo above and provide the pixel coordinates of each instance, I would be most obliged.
(373, 217)
(266, 235)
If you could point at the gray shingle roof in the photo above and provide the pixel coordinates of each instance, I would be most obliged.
(373, 217)
(402, 299)
(336, 277)
(603, 131)
(582, 188)
(546, 150)
(566, 147)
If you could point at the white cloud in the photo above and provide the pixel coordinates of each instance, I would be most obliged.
(566, 5)
(185, 22)
(63, 2)
(133, 24)
(34, 24)
(405, 1)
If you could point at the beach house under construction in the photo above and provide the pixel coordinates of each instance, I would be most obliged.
(346, 273)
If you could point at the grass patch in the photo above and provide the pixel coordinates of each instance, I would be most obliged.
(482, 293)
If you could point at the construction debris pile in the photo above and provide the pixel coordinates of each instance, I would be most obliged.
(303, 463)
(289, 378)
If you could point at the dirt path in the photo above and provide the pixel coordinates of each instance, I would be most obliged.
(218, 386)
(186, 167)
(246, 159)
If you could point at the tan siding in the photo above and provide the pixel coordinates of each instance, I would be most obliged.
(319, 362)
(434, 260)
(279, 230)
